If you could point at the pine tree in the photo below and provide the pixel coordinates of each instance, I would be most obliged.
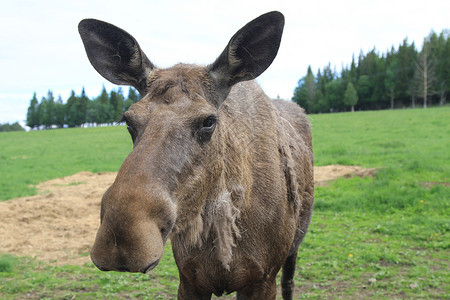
(391, 80)
(133, 95)
(365, 91)
(91, 112)
(405, 58)
(132, 98)
(121, 100)
(104, 113)
(42, 112)
(76, 108)
(104, 98)
(353, 73)
(116, 102)
(71, 112)
(49, 115)
(84, 101)
(127, 104)
(59, 112)
(440, 51)
(310, 86)
(334, 94)
(32, 114)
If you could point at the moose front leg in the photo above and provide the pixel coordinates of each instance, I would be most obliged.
(262, 290)
(187, 291)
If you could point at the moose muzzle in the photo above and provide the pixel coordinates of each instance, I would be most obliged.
(127, 245)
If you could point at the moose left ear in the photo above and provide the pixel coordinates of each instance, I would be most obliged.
(115, 54)
(250, 51)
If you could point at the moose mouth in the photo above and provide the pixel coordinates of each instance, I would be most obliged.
(144, 270)
(150, 266)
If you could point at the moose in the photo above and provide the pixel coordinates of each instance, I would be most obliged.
(217, 167)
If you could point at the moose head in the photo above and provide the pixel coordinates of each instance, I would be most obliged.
(179, 133)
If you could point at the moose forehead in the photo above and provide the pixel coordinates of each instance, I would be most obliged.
(182, 89)
(182, 79)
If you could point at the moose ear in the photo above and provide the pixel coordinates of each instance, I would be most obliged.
(115, 54)
(250, 51)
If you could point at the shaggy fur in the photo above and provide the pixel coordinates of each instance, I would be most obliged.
(217, 167)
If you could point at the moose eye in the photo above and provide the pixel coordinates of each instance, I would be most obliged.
(209, 122)
(207, 129)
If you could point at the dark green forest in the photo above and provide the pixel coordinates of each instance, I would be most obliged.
(402, 77)
(107, 108)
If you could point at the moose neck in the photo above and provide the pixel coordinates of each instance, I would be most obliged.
(214, 218)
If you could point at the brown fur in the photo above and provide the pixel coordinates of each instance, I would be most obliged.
(236, 203)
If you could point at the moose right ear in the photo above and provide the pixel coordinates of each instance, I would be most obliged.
(249, 52)
(115, 54)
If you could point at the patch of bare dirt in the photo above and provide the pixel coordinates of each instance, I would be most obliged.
(59, 224)
(325, 174)
(429, 185)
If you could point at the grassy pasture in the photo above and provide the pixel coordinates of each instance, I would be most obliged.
(385, 237)
(28, 158)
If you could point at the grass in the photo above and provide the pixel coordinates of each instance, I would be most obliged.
(28, 158)
(28, 278)
(385, 237)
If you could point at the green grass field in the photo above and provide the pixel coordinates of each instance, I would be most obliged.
(385, 237)
(28, 158)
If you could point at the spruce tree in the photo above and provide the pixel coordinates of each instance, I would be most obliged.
(71, 112)
(83, 106)
(49, 115)
(133, 95)
(390, 81)
(104, 98)
(32, 114)
(116, 103)
(59, 112)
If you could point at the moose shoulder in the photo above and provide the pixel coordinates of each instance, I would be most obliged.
(217, 167)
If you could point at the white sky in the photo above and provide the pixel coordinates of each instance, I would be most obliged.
(40, 48)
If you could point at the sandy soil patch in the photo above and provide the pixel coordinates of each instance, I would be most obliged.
(59, 224)
(325, 174)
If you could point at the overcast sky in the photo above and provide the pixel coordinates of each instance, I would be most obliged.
(40, 48)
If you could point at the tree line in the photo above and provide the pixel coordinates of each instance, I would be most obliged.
(11, 127)
(398, 78)
(107, 108)
(403, 77)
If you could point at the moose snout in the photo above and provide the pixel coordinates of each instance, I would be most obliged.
(131, 247)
